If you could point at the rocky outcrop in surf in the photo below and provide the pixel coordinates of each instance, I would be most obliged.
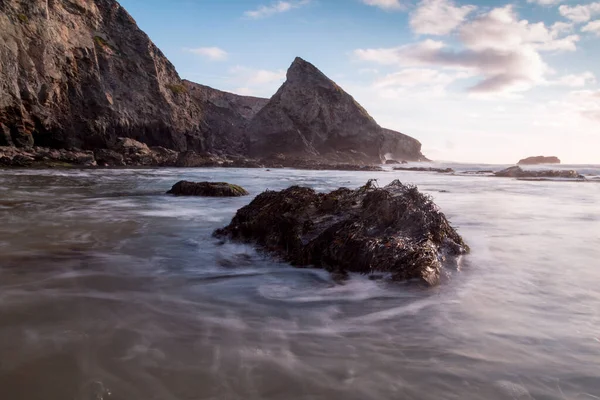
(394, 229)
(207, 189)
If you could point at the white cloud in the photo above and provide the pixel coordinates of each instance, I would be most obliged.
(580, 13)
(586, 103)
(576, 80)
(545, 2)
(212, 53)
(503, 50)
(385, 4)
(501, 29)
(559, 27)
(244, 91)
(255, 77)
(275, 8)
(412, 77)
(438, 17)
(592, 27)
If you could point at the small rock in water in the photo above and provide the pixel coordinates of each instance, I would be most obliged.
(207, 189)
(394, 230)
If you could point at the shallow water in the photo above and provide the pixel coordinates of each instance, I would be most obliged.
(110, 289)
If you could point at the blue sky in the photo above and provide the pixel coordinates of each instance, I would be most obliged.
(474, 81)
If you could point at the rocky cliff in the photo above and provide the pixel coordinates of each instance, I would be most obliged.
(226, 116)
(80, 73)
(311, 116)
(399, 146)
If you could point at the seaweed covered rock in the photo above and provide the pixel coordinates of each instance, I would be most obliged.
(394, 229)
(207, 189)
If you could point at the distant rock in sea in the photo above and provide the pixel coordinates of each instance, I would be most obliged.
(539, 160)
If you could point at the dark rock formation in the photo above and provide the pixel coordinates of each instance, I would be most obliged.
(423, 169)
(401, 147)
(310, 116)
(518, 172)
(40, 157)
(226, 115)
(394, 229)
(392, 162)
(539, 160)
(78, 73)
(207, 189)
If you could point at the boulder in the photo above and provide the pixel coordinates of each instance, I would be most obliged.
(395, 230)
(392, 162)
(109, 158)
(207, 189)
(539, 160)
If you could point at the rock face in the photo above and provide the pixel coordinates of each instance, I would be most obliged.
(401, 147)
(207, 189)
(394, 230)
(518, 172)
(226, 116)
(80, 73)
(539, 160)
(310, 116)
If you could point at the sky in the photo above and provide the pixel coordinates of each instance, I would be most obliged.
(474, 81)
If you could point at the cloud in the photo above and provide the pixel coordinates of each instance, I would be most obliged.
(501, 29)
(438, 17)
(503, 50)
(576, 80)
(586, 103)
(412, 77)
(275, 8)
(592, 27)
(545, 2)
(580, 13)
(212, 53)
(254, 77)
(385, 4)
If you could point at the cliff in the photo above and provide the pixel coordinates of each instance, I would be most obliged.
(311, 116)
(226, 116)
(399, 146)
(80, 73)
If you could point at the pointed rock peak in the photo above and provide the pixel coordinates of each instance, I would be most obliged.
(303, 70)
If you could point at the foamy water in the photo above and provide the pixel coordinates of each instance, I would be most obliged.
(110, 289)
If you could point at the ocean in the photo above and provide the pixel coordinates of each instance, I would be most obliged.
(110, 289)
